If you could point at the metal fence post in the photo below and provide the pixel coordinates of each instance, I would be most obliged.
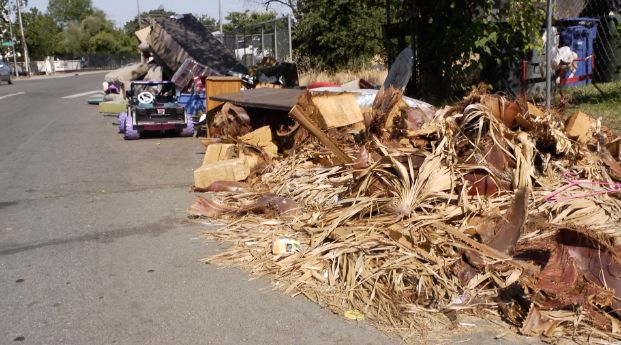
(290, 43)
(275, 40)
(549, 54)
(245, 44)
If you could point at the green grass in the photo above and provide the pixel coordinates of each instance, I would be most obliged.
(590, 101)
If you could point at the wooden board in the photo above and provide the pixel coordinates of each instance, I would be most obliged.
(297, 113)
(220, 85)
(219, 152)
(273, 99)
(337, 110)
(614, 147)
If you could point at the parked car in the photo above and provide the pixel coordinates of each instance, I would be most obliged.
(5, 72)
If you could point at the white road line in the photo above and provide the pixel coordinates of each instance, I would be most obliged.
(11, 95)
(83, 94)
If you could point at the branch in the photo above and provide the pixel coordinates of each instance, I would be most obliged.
(292, 4)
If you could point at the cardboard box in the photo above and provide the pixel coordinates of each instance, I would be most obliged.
(337, 110)
(227, 170)
(578, 126)
(262, 138)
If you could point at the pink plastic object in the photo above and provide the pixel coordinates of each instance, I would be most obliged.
(596, 187)
(319, 84)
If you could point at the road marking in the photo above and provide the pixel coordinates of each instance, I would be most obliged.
(11, 95)
(83, 94)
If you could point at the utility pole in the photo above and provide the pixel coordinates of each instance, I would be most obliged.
(21, 26)
(139, 17)
(139, 27)
(220, 10)
(13, 46)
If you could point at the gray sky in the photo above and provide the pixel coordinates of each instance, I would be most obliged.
(121, 11)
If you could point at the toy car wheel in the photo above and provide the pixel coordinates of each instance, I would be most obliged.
(130, 132)
(122, 119)
(188, 131)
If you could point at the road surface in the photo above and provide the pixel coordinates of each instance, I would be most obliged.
(95, 247)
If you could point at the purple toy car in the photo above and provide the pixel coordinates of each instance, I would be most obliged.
(153, 106)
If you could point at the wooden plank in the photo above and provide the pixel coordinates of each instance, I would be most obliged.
(337, 110)
(298, 114)
(274, 99)
(615, 148)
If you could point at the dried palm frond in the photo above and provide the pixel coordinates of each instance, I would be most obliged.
(396, 237)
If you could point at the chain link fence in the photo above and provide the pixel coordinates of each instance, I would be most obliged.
(268, 39)
(585, 68)
(586, 58)
(590, 30)
(89, 62)
(109, 61)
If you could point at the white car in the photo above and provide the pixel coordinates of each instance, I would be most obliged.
(5, 72)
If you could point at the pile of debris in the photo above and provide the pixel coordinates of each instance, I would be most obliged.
(181, 49)
(179, 52)
(177, 48)
(413, 216)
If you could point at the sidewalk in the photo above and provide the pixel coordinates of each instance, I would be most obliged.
(59, 75)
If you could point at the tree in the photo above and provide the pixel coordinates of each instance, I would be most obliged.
(73, 40)
(42, 34)
(338, 34)
(4, 22)
(132, 26)
(110, 42)
(6, 8)
(4, 13)
(208, 22)
(66, 11)
(95, 34)
(291, 4)
(453, 40)
(456, 39)
(238, 20)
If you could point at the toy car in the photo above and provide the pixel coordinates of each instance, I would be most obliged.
(153, 106)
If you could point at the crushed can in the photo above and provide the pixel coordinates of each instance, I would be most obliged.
(285, 246)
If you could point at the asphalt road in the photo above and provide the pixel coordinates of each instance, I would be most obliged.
(95, 247)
